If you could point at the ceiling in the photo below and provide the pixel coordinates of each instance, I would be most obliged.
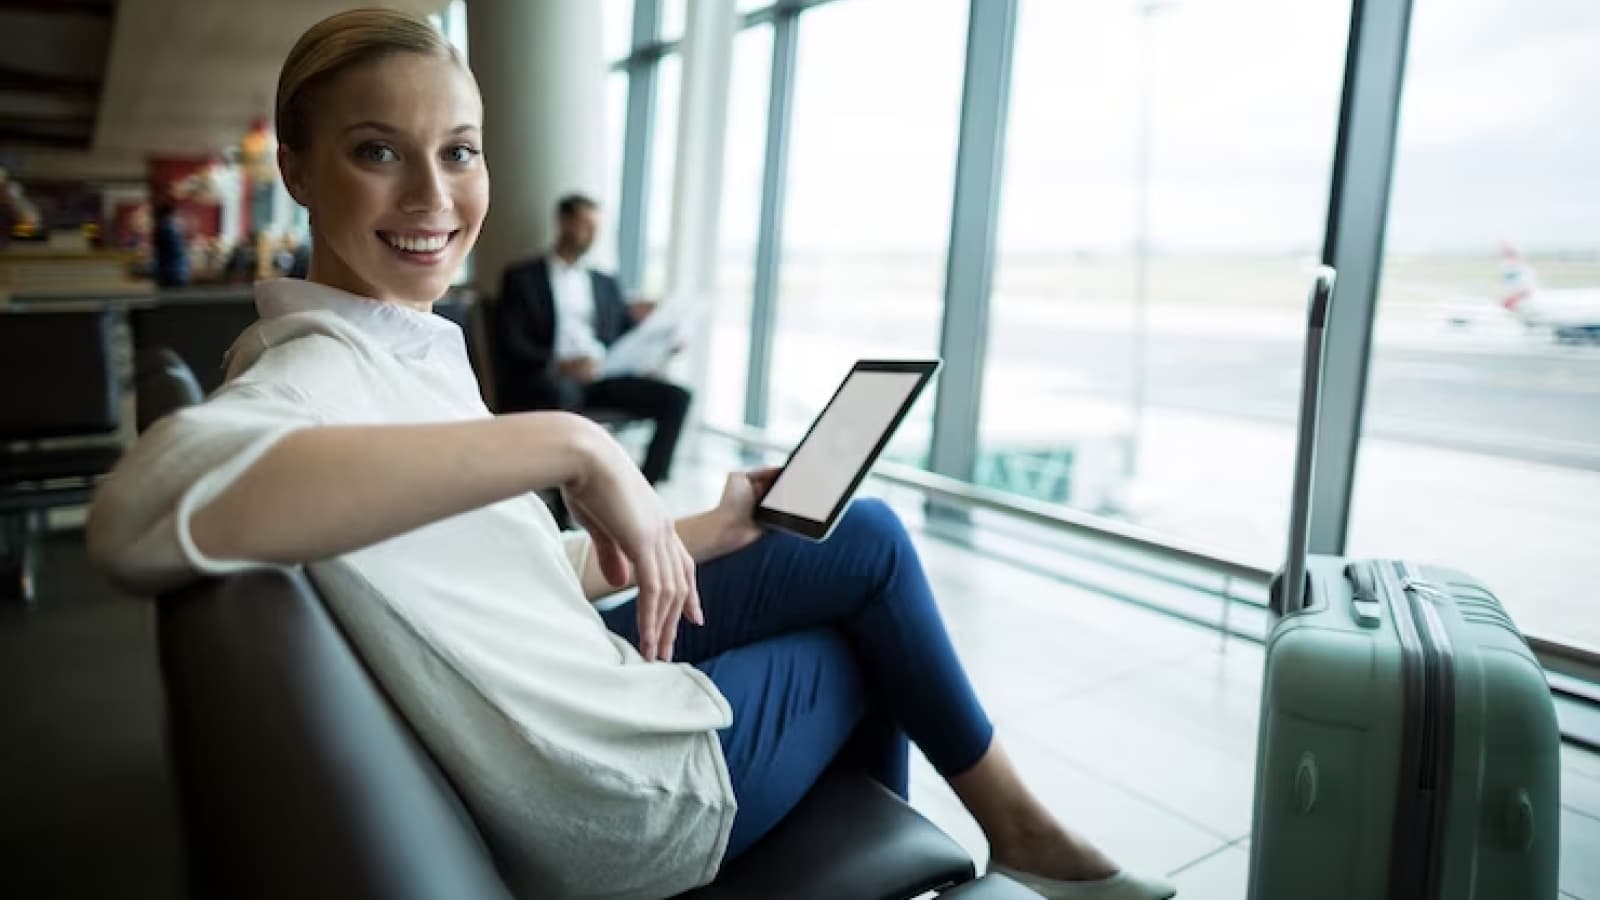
(99, 85)
(52, 66)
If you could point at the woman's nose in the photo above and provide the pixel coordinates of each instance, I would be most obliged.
(425, 189)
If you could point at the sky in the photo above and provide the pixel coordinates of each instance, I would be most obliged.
(1498, 127)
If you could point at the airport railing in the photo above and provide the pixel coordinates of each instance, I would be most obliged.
(1574, 671)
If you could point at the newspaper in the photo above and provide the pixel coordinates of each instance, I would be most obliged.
(651, 344)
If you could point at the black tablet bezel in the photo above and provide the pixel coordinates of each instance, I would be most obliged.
(815, 530)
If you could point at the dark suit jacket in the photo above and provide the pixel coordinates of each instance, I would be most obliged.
(525, 323)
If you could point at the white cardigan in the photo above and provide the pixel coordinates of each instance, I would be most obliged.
(591, 772)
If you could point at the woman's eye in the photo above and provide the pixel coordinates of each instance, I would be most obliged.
(461, 153)
(373, 151)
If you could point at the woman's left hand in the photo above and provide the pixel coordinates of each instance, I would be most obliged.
(737, 507)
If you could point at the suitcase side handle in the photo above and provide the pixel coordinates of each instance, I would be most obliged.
(1294, 569)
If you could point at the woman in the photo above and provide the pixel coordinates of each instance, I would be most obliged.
(350, 438)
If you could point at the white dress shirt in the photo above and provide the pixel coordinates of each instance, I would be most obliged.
(590, 772)
(573, 289)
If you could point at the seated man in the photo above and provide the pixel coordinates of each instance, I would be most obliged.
(556, 319)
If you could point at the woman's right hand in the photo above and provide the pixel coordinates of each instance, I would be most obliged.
(631, 528)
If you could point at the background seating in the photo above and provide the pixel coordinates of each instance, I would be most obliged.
(58, 426)
(199, 332)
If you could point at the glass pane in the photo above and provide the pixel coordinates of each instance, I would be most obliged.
(616, 24)
(616, 145)
(674, 19)
(867, 218)
(1481, 447)
(1162, 205)
(747, 6)
(663, 162)
(454, 26)
(742, 162)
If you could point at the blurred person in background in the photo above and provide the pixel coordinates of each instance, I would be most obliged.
(170, 262)
(557, 316)
(241, 265)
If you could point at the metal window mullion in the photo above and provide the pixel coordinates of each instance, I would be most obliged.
(759, 17)
(638, 144)
(769, 240)
(974, 225)
(1358, 206)
(779, 10)
(657, 49)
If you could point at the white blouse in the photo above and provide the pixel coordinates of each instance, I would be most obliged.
(591, 772)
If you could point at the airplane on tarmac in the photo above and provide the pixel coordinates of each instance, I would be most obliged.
(1571, 314)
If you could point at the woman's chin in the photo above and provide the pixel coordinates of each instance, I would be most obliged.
(416, 290)
(421, 299)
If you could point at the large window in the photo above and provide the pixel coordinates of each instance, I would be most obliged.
(1164, 199)
(674, 19)
(616, 21)
(663, 163)
(743, 159)
(871, 162)
(452, 22)
(615, 136)
(616, 25)
(1482, 424)
(1164, 196)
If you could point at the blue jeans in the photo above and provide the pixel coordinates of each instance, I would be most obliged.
(823, 648)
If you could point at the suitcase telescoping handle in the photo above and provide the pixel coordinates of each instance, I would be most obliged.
(1294, 570)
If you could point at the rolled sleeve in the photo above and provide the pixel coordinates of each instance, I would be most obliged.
(209, 487)
(139, 529)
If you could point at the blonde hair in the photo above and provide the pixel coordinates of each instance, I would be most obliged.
(339, 43)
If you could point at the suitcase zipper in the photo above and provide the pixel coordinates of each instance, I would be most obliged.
(1409, 824)
(1435, 757)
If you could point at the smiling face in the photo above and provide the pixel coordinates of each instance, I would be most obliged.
(392, 173)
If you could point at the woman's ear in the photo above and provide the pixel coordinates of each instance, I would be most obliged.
(292, 167)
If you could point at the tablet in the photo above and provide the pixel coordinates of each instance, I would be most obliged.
(814, 488)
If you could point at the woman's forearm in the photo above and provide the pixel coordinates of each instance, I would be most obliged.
(708, 535)
(325, 491)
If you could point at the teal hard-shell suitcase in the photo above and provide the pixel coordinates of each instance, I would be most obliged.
(1408, 746)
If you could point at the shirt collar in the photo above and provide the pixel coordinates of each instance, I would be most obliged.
(401, 328)
(561, 265)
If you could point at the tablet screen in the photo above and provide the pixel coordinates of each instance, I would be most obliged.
(824, 467)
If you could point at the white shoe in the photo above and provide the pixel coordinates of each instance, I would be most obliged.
(1121, 886)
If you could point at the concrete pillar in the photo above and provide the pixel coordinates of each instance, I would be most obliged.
(541, 68)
